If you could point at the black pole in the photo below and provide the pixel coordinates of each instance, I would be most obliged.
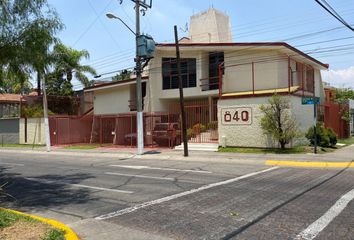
(181, 98)
(315, 126)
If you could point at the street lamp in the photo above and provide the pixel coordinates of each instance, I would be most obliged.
(138, 59)
(112, 16)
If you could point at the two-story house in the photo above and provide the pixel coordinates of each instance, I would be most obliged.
(221, 78)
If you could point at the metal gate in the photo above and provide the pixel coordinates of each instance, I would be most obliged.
(202, 121)
(70, 130)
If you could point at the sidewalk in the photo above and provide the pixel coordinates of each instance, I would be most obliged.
(345, 154)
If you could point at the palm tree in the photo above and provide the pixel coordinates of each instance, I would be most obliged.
(66, 63)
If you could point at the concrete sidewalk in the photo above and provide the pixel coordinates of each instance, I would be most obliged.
(344, 154)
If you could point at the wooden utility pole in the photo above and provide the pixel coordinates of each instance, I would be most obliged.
(181, 98)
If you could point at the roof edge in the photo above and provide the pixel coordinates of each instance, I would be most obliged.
(115, 83)
(241, 44)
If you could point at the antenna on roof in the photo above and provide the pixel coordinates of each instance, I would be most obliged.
(185, 28)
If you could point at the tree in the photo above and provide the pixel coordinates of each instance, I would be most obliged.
(66, 64)
(16, 86)
(58, 86)
(124, 75)
(278, 120)
(343, 94)
(27, 30)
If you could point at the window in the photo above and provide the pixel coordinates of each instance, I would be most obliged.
(170, 73)
(215, 59)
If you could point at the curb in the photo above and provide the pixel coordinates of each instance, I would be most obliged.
(69, 234)
(310, 164)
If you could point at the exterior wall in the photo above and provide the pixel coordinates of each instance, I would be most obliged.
(267, 75)
(112, 101)
(211, 26)
(252, 135)
(160, 98)
(35, 131)
(9, 131)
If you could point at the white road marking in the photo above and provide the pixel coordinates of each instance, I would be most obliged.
(316, 227)
(79, 185)
(13, 164)
(178, 195)
(157, 168)
(140, 176)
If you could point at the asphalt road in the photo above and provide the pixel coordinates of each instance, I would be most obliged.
(108, 198)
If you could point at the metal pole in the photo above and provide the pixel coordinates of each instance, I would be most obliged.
(315, 127)
(181, 98)
(45, 112)
(139, 116)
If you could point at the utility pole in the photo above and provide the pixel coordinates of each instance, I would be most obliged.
(145, 48)
(315, 127)
(181, 97)
(139, 107)
(45, 113)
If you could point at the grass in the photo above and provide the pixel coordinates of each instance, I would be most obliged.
(264, 150)
(295, 150)
(82, 147)
(20, 145)
(54, 234)
(9, 219)
(347, 141)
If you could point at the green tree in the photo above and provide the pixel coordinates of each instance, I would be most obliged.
(343, 94)
(124, 75)
(67, 63)
(27, 30)
(278, 121)
(58, 86)
(16, 86)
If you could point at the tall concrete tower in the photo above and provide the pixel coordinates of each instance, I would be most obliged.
(211, 26)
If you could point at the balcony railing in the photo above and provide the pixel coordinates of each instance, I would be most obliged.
(210, 83)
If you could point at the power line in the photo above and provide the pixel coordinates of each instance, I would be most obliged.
(92, 23)
(331, 11)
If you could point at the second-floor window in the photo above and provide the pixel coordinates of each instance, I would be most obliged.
(215, 59)
(170, 74)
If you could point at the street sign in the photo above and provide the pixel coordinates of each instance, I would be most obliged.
(310, 100)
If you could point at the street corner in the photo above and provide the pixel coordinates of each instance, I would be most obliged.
(69, 234)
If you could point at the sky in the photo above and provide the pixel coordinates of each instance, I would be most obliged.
(111, 45)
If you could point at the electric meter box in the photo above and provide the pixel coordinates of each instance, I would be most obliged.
(146, 46)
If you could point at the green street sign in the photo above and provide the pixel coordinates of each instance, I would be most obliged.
(310, 100)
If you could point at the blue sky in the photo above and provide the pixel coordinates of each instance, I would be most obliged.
(111, 45)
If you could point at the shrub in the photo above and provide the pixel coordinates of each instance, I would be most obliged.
(332, 136)
(213, 125)
(34, 111)
(190, 133)
(326, 137)
(199, 128)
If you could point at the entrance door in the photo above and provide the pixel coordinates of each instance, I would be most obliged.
(202, 125)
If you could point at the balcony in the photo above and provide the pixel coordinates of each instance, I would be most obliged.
(210, 83)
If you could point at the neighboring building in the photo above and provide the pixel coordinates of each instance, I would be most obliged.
(211, 26)
(10, 105)
(220, 79)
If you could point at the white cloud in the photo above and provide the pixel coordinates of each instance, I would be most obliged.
(340, 78)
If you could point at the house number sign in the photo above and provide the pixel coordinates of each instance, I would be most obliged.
(236, 116)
